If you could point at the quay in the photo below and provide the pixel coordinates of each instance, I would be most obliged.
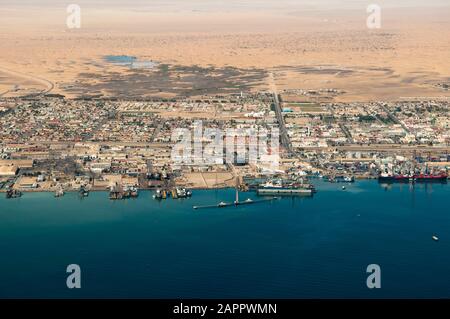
(246, 202)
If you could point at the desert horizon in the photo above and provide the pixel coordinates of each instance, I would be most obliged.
(294, 41)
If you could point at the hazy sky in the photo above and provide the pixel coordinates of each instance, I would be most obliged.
(225, 5)
(162, 14)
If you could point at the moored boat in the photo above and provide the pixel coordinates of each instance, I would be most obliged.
(182, 192)
(403, 178)
(13, 193)
(59, 192)
(158, 194)
(431, 177)
(278, 188)
(134, 192)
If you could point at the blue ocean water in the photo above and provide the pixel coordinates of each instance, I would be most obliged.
(290, 248)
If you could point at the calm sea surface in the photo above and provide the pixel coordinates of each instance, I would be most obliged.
(291, 248)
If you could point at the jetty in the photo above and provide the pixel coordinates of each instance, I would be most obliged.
(246, 202)
(237, 202)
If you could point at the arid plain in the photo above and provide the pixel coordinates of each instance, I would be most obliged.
(212, 50)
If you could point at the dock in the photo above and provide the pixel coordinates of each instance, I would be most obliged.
(285, 192)
(247, 202)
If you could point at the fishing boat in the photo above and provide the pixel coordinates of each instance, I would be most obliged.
(83, 192)
(134, 192)
(126, 192)
(13, 193)
(183, 192)
(115, 192)
(59, 192)
(158, 194)
(349, 179)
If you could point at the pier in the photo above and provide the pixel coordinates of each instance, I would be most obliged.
(247, 202)
(237, 202)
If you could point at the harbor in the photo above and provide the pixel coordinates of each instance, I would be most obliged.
(151, 240)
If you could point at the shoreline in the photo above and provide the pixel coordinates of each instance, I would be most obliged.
(104, 190)
(38, 190)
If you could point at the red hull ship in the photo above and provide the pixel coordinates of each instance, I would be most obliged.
(413, 178)
(430, 177)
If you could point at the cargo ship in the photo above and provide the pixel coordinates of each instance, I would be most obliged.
(389, 177)
(442, 177)
(402, 178)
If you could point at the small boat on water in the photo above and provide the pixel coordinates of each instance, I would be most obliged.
(134, 192)
(59, 192)
(158, 194)
(116, 192)
(13, 193)
(435, 238)
(182, 193)
(126, 192)
(84, 192)
(349, 179)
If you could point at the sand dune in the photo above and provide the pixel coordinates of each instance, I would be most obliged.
(408, 56)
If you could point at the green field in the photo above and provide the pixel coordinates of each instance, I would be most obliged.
(305, 107)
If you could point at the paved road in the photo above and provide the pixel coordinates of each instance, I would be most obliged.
(395, 119)
(346, 132)
(384, 148)
(48, 84)
(285, 141)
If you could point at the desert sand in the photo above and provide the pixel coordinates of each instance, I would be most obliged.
(213, 49)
